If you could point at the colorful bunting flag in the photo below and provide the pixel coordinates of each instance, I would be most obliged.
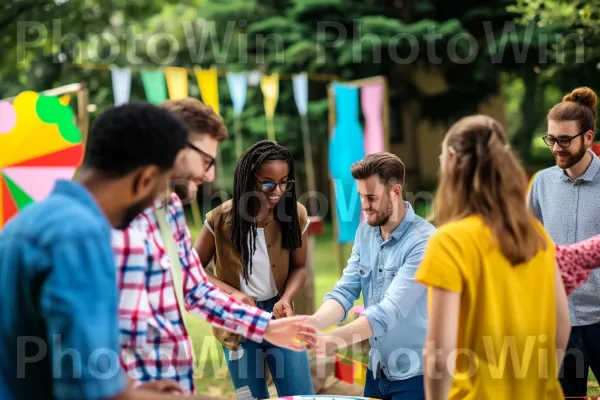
(270, 89)
(208, 82)
(154, 86)
(238, 88)
(300, 83)
(121, 84)
(177, 82)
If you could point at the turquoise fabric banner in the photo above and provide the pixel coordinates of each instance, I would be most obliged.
(345, 148)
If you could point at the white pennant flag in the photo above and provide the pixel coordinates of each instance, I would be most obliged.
(121, 83)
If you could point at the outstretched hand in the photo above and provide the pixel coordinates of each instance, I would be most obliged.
(291, 333)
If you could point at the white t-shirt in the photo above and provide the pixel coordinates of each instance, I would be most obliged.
(261, 284)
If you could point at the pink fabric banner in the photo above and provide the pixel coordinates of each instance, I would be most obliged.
(372, 108)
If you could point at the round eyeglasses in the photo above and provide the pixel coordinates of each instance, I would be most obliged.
(268, 186)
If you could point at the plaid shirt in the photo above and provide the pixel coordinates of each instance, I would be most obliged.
(154, 340)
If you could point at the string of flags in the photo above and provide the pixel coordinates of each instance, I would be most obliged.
(172, 83)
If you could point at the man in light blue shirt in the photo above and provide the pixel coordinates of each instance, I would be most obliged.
(387, 251)
(59, 333)
(565, 199)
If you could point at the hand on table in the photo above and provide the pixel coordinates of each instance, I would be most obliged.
(291, 333)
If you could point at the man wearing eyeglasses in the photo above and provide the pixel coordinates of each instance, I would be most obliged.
(565, 199)
(160, 276)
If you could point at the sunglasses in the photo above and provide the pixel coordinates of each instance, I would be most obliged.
(269, 186)
(210, 159)
(563, 141)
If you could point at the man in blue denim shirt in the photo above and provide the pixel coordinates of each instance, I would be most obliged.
(59, 336)
(387, 252)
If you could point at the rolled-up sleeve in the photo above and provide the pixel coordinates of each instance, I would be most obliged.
(401, 296)
(79, 303)
(347, 290)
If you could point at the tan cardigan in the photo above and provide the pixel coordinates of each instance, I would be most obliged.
(227, 261)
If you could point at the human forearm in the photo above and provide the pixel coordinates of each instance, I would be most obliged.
(295, 283)
(330, 313)
(354, 332)
(438, 377)
(219, 283)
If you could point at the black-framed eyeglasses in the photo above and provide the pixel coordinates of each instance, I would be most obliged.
(563, 141)
(210, 159)
(268, 186)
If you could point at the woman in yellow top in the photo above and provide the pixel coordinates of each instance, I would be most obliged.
(498, 316)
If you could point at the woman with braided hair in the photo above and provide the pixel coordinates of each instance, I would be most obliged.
(258, 243)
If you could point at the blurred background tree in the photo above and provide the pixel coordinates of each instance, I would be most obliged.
(474, 45)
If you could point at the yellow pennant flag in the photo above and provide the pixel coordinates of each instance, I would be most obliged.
(209, 87)
(177, 82)
(270, 89)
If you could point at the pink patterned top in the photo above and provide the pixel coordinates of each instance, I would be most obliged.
(576, 261)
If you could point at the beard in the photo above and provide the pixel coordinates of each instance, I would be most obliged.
(571, 159)
(133, 211)
(381, 217)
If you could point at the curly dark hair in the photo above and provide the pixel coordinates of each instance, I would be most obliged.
(131, 136)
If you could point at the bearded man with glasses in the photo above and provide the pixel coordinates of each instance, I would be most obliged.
(565, 199)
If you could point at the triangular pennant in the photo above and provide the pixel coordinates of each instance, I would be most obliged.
(20, 198)
(37, 182)
(208, 82)
(154, 86)
(300, 83)
(64, 158)
(121, 84)
(177, 82)
(237, 82)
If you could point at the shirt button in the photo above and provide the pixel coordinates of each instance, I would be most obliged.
(268, 245)
(273, 266)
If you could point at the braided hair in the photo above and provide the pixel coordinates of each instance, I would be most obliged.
(245, 209)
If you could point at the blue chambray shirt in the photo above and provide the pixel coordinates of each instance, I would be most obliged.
(395, 304)
(58, 314)
(569, 212)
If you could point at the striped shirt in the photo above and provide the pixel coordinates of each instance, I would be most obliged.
(570, 212)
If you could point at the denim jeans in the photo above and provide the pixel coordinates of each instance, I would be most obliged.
(290, 370)
(583, 353)
(406, 389)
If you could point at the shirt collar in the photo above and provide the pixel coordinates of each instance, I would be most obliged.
(406, 222)
(589, 174)
(77, 191)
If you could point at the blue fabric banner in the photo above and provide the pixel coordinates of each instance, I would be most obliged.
(345, 148)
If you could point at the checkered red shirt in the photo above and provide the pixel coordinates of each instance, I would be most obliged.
(154, 341)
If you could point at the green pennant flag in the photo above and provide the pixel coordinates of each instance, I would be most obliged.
(154, 86)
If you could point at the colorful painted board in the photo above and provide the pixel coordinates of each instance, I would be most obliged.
(39, 144)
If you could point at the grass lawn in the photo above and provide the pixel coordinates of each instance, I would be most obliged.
(212, 374)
